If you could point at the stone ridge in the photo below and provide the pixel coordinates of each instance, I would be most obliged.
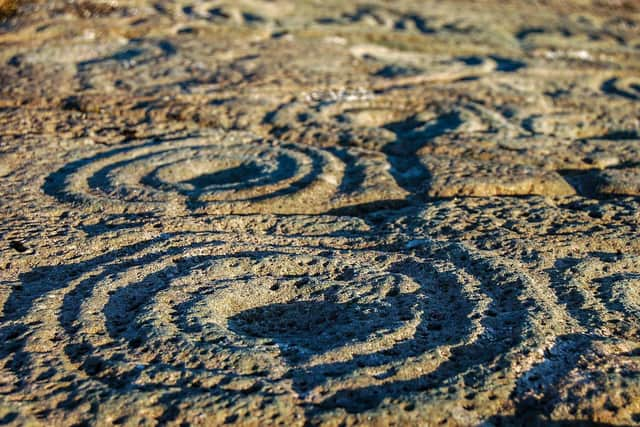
(258, 212)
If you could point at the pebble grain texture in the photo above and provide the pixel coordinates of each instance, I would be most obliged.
(325, 212)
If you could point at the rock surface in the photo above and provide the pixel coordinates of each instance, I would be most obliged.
(319, 213)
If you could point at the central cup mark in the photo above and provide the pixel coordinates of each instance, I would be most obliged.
(233, 175)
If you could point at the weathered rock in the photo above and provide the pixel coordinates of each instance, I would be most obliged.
(319, 213)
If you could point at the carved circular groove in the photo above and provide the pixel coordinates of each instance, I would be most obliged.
(218, 173)
(175, 317)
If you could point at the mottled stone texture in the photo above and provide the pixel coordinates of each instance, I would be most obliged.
(319, 212)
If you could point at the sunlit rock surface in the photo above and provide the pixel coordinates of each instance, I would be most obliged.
(319, 212)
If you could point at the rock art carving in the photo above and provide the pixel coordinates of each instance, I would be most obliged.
(319, 213)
